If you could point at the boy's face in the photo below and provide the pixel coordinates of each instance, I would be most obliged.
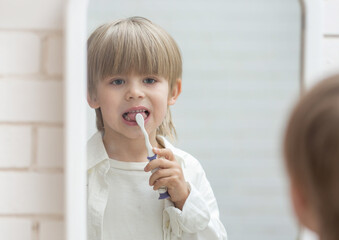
(122, 97)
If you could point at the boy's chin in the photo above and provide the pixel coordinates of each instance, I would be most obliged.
(137, 136)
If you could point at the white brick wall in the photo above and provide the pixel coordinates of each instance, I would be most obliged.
(51, 230)
(54, 55)
(15, 229)
(31, 193)
(33, 14)
(49, 147)
(20, 52)
(31, 120)
(38, 100)
(13, 138)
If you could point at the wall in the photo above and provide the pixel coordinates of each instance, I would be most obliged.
(31, 120)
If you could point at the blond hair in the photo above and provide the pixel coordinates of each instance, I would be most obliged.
(135, 45)
(311, 151)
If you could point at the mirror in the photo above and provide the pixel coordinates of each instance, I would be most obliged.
(241, 73)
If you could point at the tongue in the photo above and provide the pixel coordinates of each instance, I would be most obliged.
(133, 115)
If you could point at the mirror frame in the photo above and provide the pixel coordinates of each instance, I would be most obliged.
(75, 201)
(311, 42)
(75, 38)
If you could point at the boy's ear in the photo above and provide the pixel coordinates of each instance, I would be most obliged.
(175, 92)
(303, 208)
(92, 101)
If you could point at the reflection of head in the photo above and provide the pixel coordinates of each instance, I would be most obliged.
(311, 148)
(133, 45)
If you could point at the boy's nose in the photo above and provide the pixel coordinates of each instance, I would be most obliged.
(134, 93)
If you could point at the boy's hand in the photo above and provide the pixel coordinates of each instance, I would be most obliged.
(169, 175)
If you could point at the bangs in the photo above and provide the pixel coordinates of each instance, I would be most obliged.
(131, 47)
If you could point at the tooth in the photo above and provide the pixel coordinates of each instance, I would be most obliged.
(137, 111)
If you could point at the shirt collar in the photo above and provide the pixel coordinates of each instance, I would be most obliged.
(96, 151)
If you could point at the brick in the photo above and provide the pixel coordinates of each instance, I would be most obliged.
(330, 55)
(331, 17)
(31, 193)
(34, 101)
(33, 14)
(15, 146)
(50, 147)
(55, 55)
(52, 230)
(20, 53)
(13, 229)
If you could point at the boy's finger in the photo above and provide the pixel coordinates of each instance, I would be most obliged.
(159, 174)
(158, 163)
(164, 152)
(161, 183)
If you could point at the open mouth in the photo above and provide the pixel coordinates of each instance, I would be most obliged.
(130, 116)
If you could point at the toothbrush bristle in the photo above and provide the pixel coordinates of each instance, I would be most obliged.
(140, 119)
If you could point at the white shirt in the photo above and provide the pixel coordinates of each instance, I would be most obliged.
(199, 218)
(133, 208)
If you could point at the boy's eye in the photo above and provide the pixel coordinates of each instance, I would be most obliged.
(149, 80)
(118, 82)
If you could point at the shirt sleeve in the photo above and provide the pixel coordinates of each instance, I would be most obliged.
(199, 218)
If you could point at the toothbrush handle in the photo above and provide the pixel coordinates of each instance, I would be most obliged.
(163, 193)
(152, 158)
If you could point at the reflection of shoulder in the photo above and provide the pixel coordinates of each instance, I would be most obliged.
(185, 159)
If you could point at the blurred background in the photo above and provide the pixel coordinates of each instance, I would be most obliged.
(240, 77)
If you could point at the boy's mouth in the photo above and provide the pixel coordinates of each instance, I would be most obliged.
(130, 116)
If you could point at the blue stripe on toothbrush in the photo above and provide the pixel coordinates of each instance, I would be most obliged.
(161, 195)
(164, 195)
(152, 158)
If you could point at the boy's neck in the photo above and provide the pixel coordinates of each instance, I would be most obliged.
(127, 150)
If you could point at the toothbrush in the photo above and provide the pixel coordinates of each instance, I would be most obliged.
(163, 193)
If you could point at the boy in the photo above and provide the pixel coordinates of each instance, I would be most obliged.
(134, 66)
(311, 149)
